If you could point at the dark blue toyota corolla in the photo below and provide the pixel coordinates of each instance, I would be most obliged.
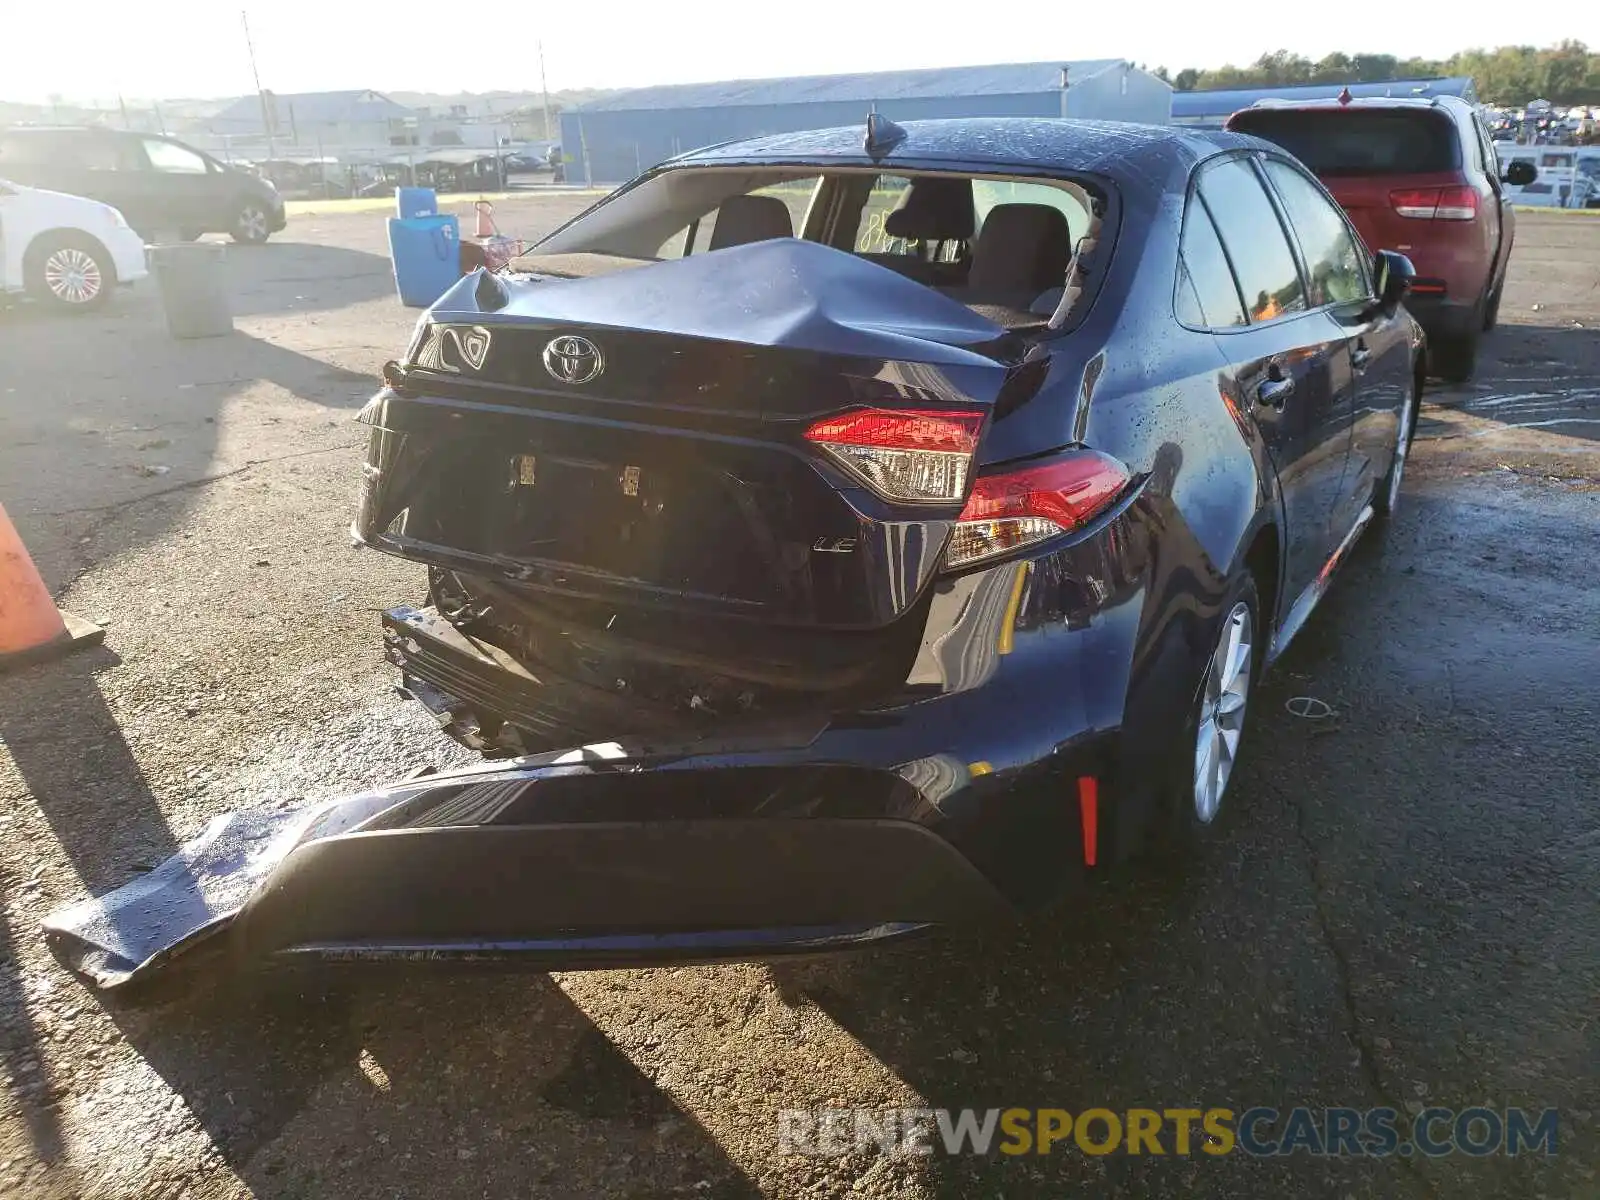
(840, 533)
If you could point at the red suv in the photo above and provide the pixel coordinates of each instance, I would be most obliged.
(1417, 176)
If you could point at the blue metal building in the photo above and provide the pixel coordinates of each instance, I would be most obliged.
(613, 139)
(1208, 110)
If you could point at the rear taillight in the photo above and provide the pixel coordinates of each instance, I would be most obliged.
(1436, 203)
(908, 455)
(1012, 509)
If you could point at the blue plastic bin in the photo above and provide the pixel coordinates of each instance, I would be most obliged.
(427, 257)
(415, 202)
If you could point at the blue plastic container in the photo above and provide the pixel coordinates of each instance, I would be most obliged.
(427, 257)
(415, 202)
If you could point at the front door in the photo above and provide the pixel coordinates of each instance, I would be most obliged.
(1291, 366)
(1339, 282)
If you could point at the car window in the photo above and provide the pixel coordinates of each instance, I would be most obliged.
(794, 194)
(988, 194)
(1335, 264)
(172, 158)
(1253, 236)
(1212, 291)
(97, 152)
(886, 194)
(1358, 141)
(1491, 159)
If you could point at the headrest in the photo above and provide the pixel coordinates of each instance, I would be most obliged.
(935, 209)
(743, 219)
(1022, 248)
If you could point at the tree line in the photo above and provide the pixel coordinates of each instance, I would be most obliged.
(1566, 74)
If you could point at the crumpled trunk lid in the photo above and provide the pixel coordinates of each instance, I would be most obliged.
(638, 437)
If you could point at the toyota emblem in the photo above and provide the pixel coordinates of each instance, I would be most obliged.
(573, 359)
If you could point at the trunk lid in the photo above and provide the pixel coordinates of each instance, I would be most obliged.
(637, 437)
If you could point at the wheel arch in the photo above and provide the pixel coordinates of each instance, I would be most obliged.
(1263, 558)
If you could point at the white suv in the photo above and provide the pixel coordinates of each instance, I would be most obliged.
(65, 250)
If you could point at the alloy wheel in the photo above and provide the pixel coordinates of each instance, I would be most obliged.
(1222, 709)
(252, 225)
(73, 276)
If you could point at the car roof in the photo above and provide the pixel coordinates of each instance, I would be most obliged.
(1114, 148)
(1268, 104)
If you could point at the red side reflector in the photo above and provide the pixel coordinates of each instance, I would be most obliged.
(1089, 813)
(893, 429)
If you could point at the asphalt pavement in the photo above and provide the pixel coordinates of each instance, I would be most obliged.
(1400, 912)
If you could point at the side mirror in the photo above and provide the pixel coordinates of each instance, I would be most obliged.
(1392, 275)
(1520, 173)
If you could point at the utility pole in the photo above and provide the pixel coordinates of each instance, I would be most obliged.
(544, 88)
(266, 117)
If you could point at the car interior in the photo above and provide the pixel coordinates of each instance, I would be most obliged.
(1016, 251)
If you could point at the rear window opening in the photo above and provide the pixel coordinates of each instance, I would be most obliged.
(1024, 253)
(1336, 142)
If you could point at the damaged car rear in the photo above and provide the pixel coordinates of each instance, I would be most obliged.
(827, 539)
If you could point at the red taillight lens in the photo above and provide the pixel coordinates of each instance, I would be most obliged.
(1444, 204)
(915, 455)
(1456, 204)
(1013, 509)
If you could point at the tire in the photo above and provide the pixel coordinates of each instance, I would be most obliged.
(1491, 311)
(1194, 809)
(71, 272)
(250, 224)
(1386, 496)
(1453, 357)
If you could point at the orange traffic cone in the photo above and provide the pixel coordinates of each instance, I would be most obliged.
(31, 626)
(485, 227)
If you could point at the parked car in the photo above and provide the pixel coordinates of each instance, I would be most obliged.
(64, 250)
(161, 185)
(1422, 176)
(849, 537)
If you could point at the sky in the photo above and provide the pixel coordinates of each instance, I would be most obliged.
(196, 48)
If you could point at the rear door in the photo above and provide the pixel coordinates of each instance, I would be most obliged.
(1291, 368)
(1339, 281)
(104, 166)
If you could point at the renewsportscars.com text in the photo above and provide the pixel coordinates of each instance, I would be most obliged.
(1180, 1132)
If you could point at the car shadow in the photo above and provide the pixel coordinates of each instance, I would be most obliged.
(396, 1085)
(1199, 983)
(303, 277)
(103, 818)
(107, 410)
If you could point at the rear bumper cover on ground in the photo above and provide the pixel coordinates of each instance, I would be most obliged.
(555, 859)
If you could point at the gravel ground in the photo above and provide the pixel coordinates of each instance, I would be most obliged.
(1403, 914)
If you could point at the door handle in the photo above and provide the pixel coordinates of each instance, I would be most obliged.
(1360, 357)
(1274, 393)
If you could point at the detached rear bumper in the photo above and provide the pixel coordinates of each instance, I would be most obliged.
(575, 860)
